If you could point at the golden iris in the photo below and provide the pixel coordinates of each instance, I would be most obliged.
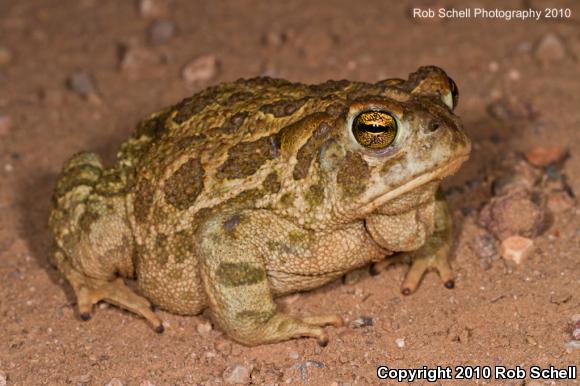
(374, 129)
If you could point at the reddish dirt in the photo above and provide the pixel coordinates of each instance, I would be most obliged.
(513, 96)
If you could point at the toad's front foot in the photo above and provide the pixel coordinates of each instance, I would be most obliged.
(434, 255)
(420, 265)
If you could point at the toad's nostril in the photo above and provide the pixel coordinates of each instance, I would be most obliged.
(434, 125)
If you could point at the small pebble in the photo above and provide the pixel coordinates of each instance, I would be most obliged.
(224, 347)
(363, 321)
(485, 247)
(550, 48)
(514, 75)
(554, 172)
(201, 69)
(576, 334)
(82, 83)
(493, 66)
(161, 31)
(146, 383)
(115, 382)
(531, 340)
(8, 168)
(153, 9)
(5, 56)
(275, 39)
(516, 248)
(524, 47)
(236, 374)
(512, 214)
(293, 355)
(204, 328)
(400, 342)
(3, 378)
(5, 125)
(138, 61)
(542, 156)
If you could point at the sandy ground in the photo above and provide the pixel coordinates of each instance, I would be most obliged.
(79, 74)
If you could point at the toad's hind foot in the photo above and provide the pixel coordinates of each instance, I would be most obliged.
(89, 291)
(282, 327)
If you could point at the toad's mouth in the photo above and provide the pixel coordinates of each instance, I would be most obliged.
(435, 174)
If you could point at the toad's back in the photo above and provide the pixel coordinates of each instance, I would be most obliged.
(232, 143)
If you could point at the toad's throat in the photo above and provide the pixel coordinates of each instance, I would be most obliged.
(435, 174)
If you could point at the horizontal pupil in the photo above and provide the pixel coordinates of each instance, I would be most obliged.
(375, 128)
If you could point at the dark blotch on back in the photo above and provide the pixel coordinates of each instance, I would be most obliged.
(353, 174)
(330, 86)
(183, 187)
(245, 158)
(314, 195)
(193, 105)
(263, 81)
(271, 183)
(238, 96)
(231, 223)
(239, 274)
(283, 108)
(308, 151)
(143, 200)
(88, 218)
(231, 125)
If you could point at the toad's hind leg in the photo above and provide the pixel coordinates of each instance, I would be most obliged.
(239, 295)
(434, 254)
(93, 245)
(89, 291)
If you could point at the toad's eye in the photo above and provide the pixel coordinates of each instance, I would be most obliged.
(374, 129)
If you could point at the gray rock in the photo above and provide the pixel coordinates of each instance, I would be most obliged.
(161, 31)
(83, 84)
(363, 321)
